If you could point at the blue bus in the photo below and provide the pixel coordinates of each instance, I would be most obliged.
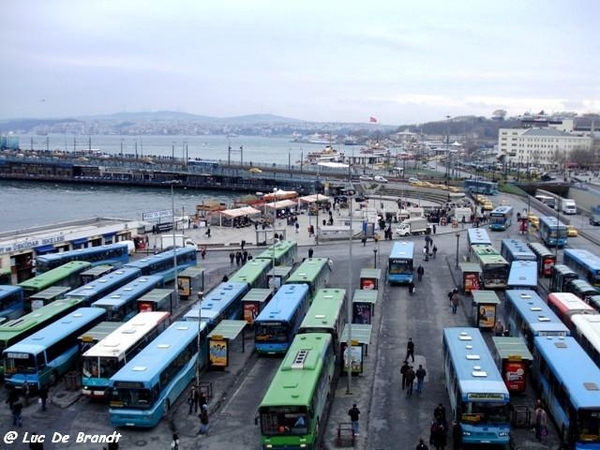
(41, 358)
(585, 263)
(121, 304)
(523, 275)
(163, 263)
(501, 218)
(567, 379)
(12, 305)
(478, 396)
(400, 263)
(516, 250)
(150, 383)
(528, 316)
(101, 287)
(481, 187)
(113, 254)
(552, 232)
(477, 236)
(277, 324)
(254, 273)
(223, 302)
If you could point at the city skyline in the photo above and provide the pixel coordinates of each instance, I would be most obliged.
(324, 62)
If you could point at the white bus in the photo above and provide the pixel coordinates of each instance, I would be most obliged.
(105, 358)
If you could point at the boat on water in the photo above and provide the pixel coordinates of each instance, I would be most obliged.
(328, 154)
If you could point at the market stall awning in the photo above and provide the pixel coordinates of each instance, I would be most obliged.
(240, 212)
(281, 204)
(280, 194)
(313, 198)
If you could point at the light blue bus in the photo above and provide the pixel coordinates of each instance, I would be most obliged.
(478, 396)
(528, 316)
(150, 383)
(481, 187)
(121, 304)
(254, 273)
(516, 250)
(12, 305)
(277, 324)
(114, 254)
(523, 275)
(41, 358)
(501, 218)
(163, 264)
(101, 287)
(223, 302)
(400, 263)
(477, 236)
(552, 232)
(585, 263)
(567, 379)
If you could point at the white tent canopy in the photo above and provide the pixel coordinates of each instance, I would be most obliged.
(237, 212)
(280, 194)
(313, 198)
(281, 204)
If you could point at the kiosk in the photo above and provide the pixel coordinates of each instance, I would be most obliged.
(513, 359)
(361, 336)
(277, 276)
(470, 276)
(369, 278)
(483, 309)
(363, 306)
(159, 299)
(190, 282)
(254, 302)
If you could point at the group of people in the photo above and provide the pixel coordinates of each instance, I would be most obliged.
(240, 257)
(16, 406)
(197, 400)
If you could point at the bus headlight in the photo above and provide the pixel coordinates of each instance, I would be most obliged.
(503, 433)
(466, 433)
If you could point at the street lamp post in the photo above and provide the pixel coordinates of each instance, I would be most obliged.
(173, 182)
(457, 248)
(375, 258)
(349, 304)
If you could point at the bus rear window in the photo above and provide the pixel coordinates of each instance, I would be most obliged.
(284, 420)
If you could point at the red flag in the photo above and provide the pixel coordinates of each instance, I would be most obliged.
(372, 119)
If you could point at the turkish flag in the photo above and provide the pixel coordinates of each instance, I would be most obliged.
(372, 119)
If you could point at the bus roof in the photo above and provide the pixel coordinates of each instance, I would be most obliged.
(540, 249)
(308, 270)
(157, 355)
(81, 251)
(277, 250)
(216, 301)
(518, 250)
(105, 283)
(583, 257)
(478, 236)
(127, 335)
(404, 249)
(573, 368)
(47, 279)
(56, 331)
(325, 309)
(567, 302)
(589, 326)
(535, 312)
(252, 270)
(284, 303)
(552, 222)
(133, 289)
(474, 365)
(503, 209)
(299, 372)
(523, 273)
(7, 289)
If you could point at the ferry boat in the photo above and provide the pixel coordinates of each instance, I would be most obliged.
(328, 154)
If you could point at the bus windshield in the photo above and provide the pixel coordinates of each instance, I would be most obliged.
(271, 332)
(485, 412)
(494, 272)
(589, 424)
(20, 363)
(281, 420)
(400, 266)
(109, 366)
(131, 398)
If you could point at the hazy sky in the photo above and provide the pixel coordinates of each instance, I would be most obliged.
(401, 61)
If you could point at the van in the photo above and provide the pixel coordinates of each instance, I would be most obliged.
(568, 206)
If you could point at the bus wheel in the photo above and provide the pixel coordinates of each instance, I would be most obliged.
(53, 378)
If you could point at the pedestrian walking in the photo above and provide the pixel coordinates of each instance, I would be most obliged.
(411, 287)
(498, 328)
(175, 442)
(438, 436)
(36, 442)
(439, 413)
(426, 253)
(354, 414)
(433, 227)
(456, 435)
(43, 393)
(193, 400)
(203, 420)
(421, 445)
(13, 397)
(17, 410)
(410, 380)
(434, 250)
(455, 301)
(207, 232)
(403, 371)
(421, 373)
(231, 258)
(26, 393)
(420, 272)
(243, 244)
(541, 423)
(297, 227)
(410, 350)
(364, 240)
(310, 253)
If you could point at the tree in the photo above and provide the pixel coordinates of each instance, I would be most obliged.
(499, 114)
(583, 157)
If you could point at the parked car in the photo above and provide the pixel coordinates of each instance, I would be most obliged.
(413, 180)
(595, 219)
(380, 179)
(572, 231)
(365, 178)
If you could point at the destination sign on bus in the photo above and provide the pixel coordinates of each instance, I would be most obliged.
(484, 396)
(18, 355)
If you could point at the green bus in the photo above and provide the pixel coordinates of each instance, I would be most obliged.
(283, 253)
(67, 275)
(494, 268)
(254, 272)
(314, 272)
(16, 330)
(327, 314)
(292, 411)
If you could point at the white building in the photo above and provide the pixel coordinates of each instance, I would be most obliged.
(544, 147)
